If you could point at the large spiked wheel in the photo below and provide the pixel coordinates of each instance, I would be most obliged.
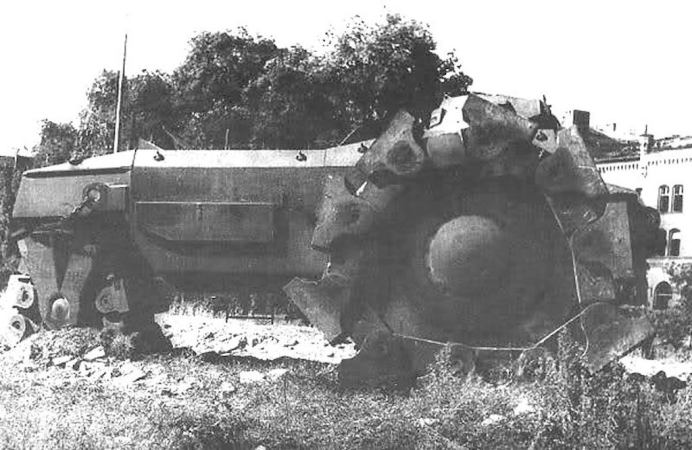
(483, 266)
(490, 230)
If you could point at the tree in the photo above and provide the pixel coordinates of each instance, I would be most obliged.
(209, 86)
(289, 104)
(97, 120)
(147, 109)
(374, 70)
(57, 144)
(240, 91)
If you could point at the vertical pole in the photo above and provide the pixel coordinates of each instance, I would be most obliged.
(119, 105)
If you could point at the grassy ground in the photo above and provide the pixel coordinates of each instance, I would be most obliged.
(184, 402)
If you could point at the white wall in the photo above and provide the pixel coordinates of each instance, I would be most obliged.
(668, 167)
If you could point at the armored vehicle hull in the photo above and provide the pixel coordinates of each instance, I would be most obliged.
(489, 229)
(101, 239)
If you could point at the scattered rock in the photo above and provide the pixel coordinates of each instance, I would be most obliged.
(168, 392)
(250, 376)
(158, 379)
(427, 422)
(227, 388)
(523, 407)
(275, 374)
(73, 364)
(132, 377)
(492, 419)
(61, 360)
(260, 447)
(126, 368)
(94, 353)
(98, 371)
(181, 388)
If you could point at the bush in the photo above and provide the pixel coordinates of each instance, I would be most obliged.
(674, 325)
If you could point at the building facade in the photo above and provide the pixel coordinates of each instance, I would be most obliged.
(660, 171)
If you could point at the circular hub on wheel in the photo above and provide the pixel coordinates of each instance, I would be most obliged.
(59, 311)
(483, 266)
(468, 255)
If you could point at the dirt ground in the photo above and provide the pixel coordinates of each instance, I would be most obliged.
(256, 338)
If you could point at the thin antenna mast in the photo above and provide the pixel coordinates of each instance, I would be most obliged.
(118, 108)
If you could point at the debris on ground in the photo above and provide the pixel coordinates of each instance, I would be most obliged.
(636, 364)
(206, 335)
(493, 419)
(95, 353)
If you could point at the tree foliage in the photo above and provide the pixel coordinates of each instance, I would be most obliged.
(377, 69)
(58, 142)
(235, 90)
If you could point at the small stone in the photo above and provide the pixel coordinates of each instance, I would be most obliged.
(61, 360)
(94, 353)
(275, 374)
(132, 377)
(227, 388)
(427, 422)
(492, 419)
(167, 392)
(260, 447)
(523, 407)
(250, 376)
(98, 372)
(126, 368)
(183, 387)
(73, 364)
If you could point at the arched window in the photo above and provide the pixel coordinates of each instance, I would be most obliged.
(674, 242)
(663, 198)
(677, 198)
(662, 295)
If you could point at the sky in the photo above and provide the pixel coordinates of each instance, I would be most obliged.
(624, 61)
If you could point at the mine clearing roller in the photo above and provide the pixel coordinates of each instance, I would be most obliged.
(489, 231)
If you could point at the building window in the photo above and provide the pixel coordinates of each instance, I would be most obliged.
(662, 295)
(677, 198)
(674, 242)
(663, 199)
